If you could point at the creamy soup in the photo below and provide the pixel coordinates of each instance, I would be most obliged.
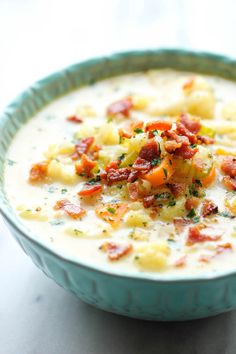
(136, 173)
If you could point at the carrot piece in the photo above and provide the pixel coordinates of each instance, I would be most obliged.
(85, 166)
(112, 212)
(90, 190)
(162, 173)
(209, 179)
(158, 125)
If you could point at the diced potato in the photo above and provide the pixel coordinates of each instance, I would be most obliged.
(201, 103)
(108, 134)
(100, 230)
(137, 218)
(136, 143)
(110, 153)
(152, 256)
(138, 234)
(140, 102)
(230, 203)
(86, 130)
(55, 150)
(170, 212)
(229, 111)
(62, 173)
(33, 214)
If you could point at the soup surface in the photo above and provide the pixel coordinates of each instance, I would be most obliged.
(136, 173)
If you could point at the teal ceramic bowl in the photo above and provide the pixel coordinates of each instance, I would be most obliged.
(146, 297)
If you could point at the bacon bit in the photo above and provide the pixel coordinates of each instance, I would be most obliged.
(112, 213)
(75, 119)
(177, 189)
(134, 174)
(73, 210)
(191, 203)
(117, 175)
(90, 190)
(122, 107)
(38, 172)
(150, 151)
(182, 130)
(209, 208)
(142, 165)
(192, 125)
(148, 201)
(171, 134)
(229, 183)
(205, 258)
(181, 261)
(186, 152)
(172, 145)
(124, 133)
(180, 223)
(158, 125)
(85, 166)
(224, 247)
(95, 151)
(113, 165)
(188, 85)
(115, 251)
(133, 191)
(136, 125)
(82, 147)
(203, 139)
(228, 166)
(195, 236)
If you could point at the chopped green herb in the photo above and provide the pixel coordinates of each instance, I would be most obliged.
(192, 213)
(138, 130)
(64, 190)
(144, 223)
(121, 157)
(55, 222)
(155, 162)
(198, 182)
(77, 232)
(111, 210)
(155, 133)
(52, 189)
(11, 162)
(170, 240)
(164, 195)
(226, 214)
(94, 180)
(165, 172)
(119, 186)
(196, 219)
(170, 162)
(171, 203)
(193, 146)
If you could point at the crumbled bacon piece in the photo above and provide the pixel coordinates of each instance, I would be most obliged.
(229, 183)
(228, 166)
(177, 189)
(94, 151)
(148, 201)
(75, 119)
(191, 203)
(141, 164)
(38, 172)
(133, 190)
(149, 151)
(85, 166)
(182, 130)
(90, 190)
(203, 139)
(122, 107)
(180, 223)
(172, 145)
(82, 147)
(134, 174)
(192, 125)
(115, 251)
(209, 208)
(117, 175)
(73, 210)
(195, 235)
(112, 165)
(186, 152)
(188, 85)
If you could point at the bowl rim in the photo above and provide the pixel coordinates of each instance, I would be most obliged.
(29, 234)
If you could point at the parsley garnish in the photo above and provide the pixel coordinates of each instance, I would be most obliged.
(155, 162)
(193, 146)
(121, 157)
(64, 190)
(192, 213)
(11, 162)
(165, 172)
(171, 203)
(56, 222)
(111, 210)
(94, 180)
(226, 214)
(155, 132)
(164, 195)
(196, 219)
(138, 130)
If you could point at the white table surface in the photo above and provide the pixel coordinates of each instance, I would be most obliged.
(40, 36)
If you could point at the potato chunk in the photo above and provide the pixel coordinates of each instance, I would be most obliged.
(152, 256)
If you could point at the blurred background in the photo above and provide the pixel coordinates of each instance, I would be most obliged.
(41, 36)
